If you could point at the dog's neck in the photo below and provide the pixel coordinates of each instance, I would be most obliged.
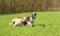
(33, 17)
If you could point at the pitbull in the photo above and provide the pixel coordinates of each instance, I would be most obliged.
(23, 20)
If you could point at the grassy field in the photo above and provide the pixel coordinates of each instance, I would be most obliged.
(46, 24)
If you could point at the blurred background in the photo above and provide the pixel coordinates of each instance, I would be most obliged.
(47, 22)
(17, 6)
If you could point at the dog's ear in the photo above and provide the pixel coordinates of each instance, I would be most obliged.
(34, 14)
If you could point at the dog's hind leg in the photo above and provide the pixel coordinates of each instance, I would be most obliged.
(12, 22)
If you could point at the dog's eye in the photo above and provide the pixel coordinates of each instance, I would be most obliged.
(34, 14)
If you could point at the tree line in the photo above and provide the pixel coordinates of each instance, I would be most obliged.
(15, 6)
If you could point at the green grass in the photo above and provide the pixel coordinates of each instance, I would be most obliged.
(46, 24)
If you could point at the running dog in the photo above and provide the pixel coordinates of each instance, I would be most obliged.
(23, 20)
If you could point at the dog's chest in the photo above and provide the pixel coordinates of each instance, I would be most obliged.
(31, 19)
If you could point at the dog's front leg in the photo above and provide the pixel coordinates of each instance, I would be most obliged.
(29, 23)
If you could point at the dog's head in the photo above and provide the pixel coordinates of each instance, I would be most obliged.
(33, 15)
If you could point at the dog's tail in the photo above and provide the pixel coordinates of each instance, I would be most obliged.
(12, 23)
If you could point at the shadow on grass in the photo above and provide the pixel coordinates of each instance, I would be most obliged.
(33, 25)
(43, 25)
